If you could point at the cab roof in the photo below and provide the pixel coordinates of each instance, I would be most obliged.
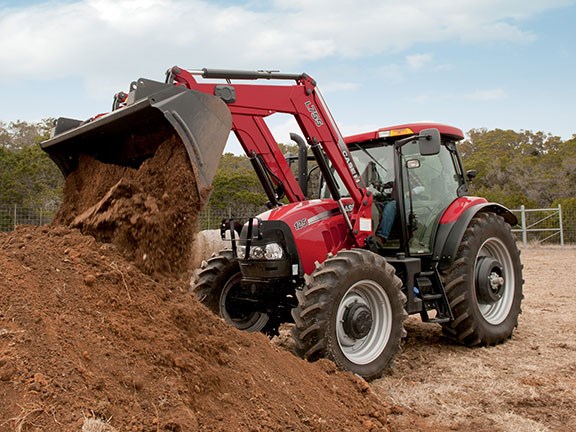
(404, 130)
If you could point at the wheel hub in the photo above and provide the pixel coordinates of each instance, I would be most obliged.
(489, 280)
(357, 320)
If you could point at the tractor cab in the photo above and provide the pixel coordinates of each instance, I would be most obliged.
(422, 183)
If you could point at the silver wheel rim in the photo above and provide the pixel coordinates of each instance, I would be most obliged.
(368, 348)
(497, 312)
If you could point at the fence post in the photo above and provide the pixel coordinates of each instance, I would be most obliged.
(523, 221)
(561, 226)
(15, 215)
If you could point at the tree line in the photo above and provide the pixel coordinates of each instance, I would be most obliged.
(513, 168)
(521, 168)
(27, 176)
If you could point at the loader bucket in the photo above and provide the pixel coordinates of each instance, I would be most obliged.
(132, 134)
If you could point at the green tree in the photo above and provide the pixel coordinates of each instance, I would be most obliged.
(27, 175)
(568, 217)
(236, 186)
(514, 167)
(21, 134)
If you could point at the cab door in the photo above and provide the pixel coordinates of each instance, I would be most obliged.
(429, 185)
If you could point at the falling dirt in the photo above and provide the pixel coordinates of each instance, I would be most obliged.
(150, 213)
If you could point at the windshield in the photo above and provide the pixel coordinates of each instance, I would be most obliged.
(376, 164)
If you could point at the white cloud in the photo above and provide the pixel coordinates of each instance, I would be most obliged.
(92, 38)
(486, 95)
(364, 53)
(281, 125)
(390, 73)
(418, 61)
(348, 129)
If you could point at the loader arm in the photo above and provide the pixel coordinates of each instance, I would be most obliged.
(251, 103)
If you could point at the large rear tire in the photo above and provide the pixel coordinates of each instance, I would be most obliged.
(351, 311)
(484, 284)
(218, 286)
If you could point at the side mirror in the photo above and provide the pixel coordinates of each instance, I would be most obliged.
(429, 142)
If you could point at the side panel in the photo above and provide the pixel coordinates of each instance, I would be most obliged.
(454, 222)
(318, 228)
(458, 207)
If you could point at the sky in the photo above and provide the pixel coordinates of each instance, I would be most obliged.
(507, 64)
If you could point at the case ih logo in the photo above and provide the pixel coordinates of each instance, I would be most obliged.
(313, 113)
(351, 166)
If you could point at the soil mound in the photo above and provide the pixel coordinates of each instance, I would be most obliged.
(86, 337)
(149, 213)
(98, 330)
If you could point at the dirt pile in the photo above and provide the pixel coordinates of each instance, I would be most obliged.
(149, 213)
(98, 330)
(85, 335)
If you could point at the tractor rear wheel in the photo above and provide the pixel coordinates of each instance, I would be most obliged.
(484, 284)
(351, 311)
(218, 288)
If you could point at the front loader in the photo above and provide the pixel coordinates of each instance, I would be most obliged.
(450, 258)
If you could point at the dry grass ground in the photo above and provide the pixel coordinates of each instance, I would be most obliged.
(525, 385)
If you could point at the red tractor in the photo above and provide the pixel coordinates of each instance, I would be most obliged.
(321, 263)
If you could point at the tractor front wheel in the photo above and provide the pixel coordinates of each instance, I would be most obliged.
(484, 284)
(218, 288)
(351, 311)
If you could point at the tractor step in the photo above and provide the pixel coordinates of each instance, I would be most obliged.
(424, 289)
(434, 297)
(431, 297)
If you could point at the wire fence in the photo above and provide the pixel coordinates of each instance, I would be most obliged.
(211, 216)
(553, 226)
(14, 214)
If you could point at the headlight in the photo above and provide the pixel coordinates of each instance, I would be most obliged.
(271, 251)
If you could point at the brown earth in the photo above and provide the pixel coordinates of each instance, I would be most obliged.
(86, 335)
(527, 384)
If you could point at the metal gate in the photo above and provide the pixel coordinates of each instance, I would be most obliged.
(540, 225)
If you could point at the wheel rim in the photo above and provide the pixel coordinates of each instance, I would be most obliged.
(496, 312)
(237, 312)
(368, 294)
